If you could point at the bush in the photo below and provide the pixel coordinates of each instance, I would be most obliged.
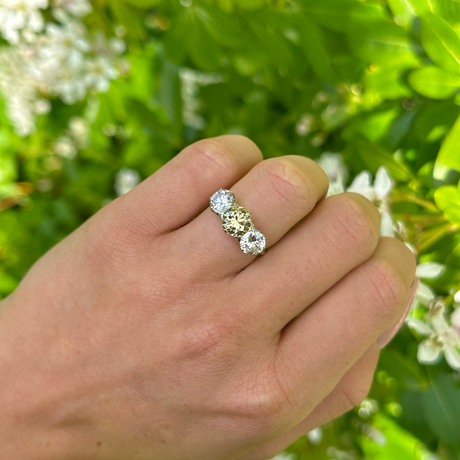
(99, 96)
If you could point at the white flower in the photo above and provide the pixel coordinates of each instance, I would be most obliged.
(315, 436)
(455, 319)
(17, 16)
(78, 8)
(65, 45)
(441, 338)
(190, 83)
(457, 297)
(99, 73)
(64, 147)
(425, 295)
(430, 270)
(337, 172)
(284, 456)
(379, 193)
(126, 180)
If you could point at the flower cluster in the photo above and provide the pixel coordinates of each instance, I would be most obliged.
(432, 319)
(378, 192)
(51, 58)
(442, 331)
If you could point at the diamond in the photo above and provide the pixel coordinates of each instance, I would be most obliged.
(222, 201)
(252, 242)
(236, 221)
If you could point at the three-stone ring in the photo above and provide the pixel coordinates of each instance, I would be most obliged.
(237, 222)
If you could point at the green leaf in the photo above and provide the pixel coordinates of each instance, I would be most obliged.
(8, 167)
(374, 157)
(250, 4)
(392, 442)
(441, 406)
(446, 196)
(225, 29)
(312, 43)
(128, 18)
(420, 6)
(405, 371)
(383, 42)
(335, 14)
(144, 3)
(270, 42)
(449, 154)
(203, 50)
(441, 42)
(434, 82)
(403, 11)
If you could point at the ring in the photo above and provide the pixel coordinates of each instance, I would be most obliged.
(237, 222)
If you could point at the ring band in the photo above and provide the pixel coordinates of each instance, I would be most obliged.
(237, 222)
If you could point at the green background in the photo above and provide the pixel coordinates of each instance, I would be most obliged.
(377, 81)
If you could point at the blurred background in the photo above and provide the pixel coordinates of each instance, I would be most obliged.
(96, 96)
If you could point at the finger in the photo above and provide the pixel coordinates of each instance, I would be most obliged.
(180, 190)
(352, 388)
(340, 234)
(321, 344)
(278, 193)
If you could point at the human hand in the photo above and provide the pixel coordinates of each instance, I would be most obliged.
(148, 334)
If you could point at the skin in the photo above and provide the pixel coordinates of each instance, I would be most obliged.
(148, 334)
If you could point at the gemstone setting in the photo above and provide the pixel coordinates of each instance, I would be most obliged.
(222, 201)
(252, 242)
(236, 221)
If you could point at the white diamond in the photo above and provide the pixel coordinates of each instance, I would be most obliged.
(252, 242)
(222, 201)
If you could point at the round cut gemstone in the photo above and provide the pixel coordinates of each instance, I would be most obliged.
(252, 242)
(236, 221)
(222, 201)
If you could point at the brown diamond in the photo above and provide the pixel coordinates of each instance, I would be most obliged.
(236, 221)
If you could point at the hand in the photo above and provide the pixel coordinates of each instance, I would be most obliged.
(148, 334)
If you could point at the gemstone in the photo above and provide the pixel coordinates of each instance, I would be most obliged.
(236, 221)
(222, 201)
(252, 242)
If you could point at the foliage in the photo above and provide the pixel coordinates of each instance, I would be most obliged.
(376, 80)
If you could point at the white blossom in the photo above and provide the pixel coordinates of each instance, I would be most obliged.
(442, 338)
(379, 193)
(78, 8)
(430, 270)
(315, 436)
(126, 180)
(65, 147)
(21, 16)
(191, 80)
(60, 60)
(99, 74)
(337, 172)
(457, 297)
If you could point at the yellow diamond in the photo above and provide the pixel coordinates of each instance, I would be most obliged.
(236, 221)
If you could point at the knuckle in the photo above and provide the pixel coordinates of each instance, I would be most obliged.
(356, 222)
(213, 154)
(215, 336)
(352, 396)
(388, 291)
(289, 182)
(107, 243)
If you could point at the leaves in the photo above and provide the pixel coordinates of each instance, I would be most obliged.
(434, 82)
(374, 157)
(449, 154)
(441, 406)
(441, 42)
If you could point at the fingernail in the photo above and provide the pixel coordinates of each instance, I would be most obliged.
(386, 337)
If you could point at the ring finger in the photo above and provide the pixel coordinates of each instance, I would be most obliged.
(278, 192)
